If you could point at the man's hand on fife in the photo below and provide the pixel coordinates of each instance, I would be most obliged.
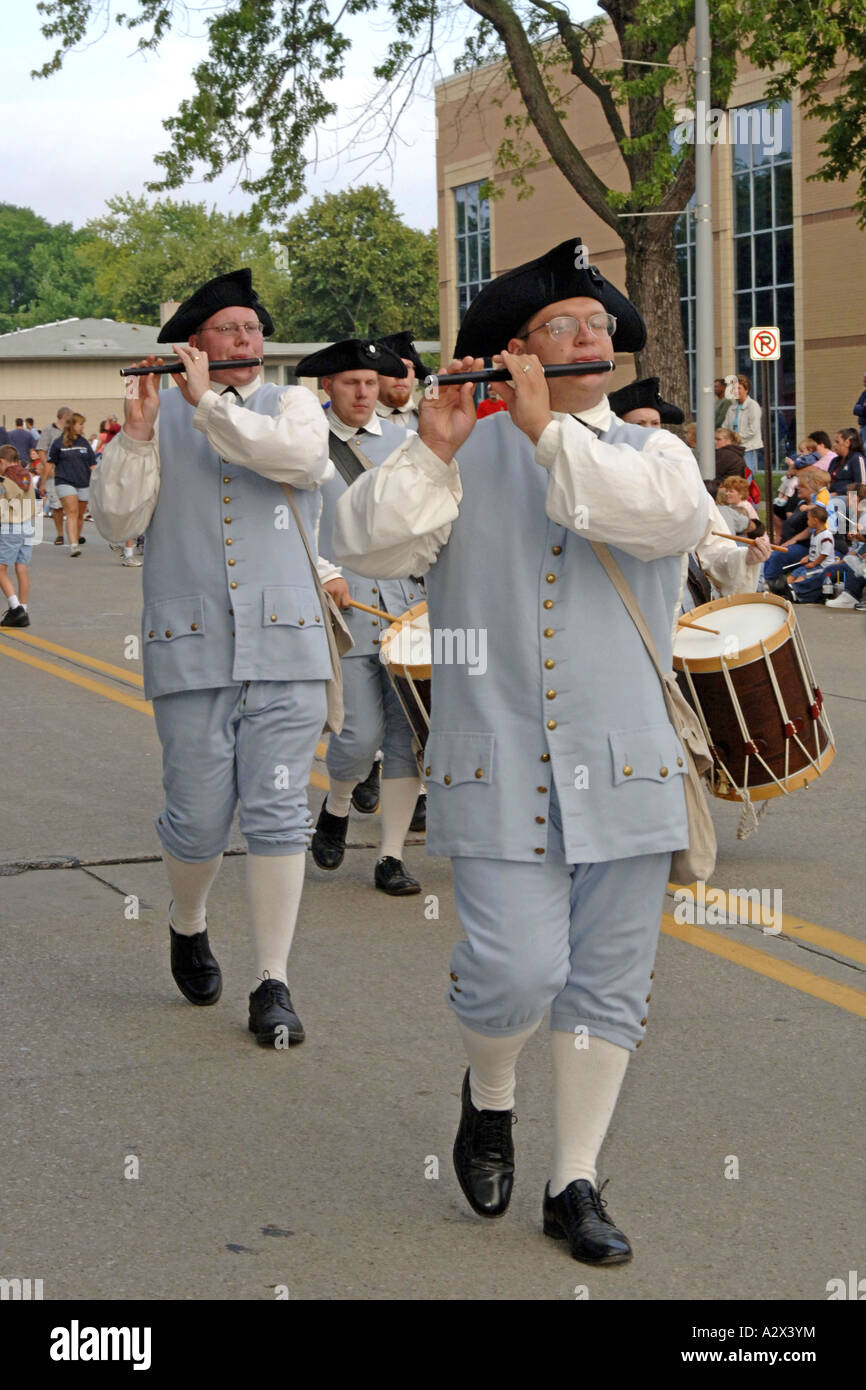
(760, 551)
(447, 417)
(339, 591)
(526, 394)
(140, 410)
(197, 372)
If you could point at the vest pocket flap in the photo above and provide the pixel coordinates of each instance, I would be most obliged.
(291, 606)
(450, 759)
(172, 618)
(654, 754)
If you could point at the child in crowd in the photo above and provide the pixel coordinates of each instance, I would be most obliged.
(854, 568)
(807, 580)
(734, 492)
(17, 531)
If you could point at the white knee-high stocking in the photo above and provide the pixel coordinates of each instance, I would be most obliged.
(274, 887)
(586, 1084)
(491, 1066)
(339, 797)
(190, 885)
(398, 798)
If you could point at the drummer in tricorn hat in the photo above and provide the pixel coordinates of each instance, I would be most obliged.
(555, 780)
(350, 373)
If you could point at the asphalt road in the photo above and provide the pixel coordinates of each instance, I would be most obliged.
(151, 1150)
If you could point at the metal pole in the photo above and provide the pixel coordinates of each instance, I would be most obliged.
(769, 450)
(705, 346)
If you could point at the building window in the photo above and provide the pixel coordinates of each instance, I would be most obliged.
(764, 252)
(684, 240)
(472, 222)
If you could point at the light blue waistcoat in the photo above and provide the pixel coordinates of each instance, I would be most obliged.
(391, 595)
(569, 692)
(218, 525)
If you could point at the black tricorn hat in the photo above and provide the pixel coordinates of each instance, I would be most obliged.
(503, 306)
(642, 395)
(404, 346)
(223, 292)
(347, 356)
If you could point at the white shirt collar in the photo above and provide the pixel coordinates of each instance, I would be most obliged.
(344, 431)
(243, 391)
(597, 416)
(386, 411)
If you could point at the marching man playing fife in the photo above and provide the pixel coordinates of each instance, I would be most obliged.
(555, 780)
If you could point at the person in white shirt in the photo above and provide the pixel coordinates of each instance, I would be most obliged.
(397, 394)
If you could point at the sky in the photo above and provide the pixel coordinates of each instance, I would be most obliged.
(90, 131)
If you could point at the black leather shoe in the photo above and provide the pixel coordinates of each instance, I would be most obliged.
(418, 823)
(391, 877)
(272, 1016)
(578, 1215)
(484, 1156)
(15, 617)
(195, 968)
(365, 797)
(329, 839)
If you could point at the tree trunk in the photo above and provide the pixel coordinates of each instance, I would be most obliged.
(653, 284)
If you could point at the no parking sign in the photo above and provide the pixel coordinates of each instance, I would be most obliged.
(764, 344)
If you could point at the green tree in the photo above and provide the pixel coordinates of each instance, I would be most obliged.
(269, 62)
(357, 270)
(143, 253)
(21, 233)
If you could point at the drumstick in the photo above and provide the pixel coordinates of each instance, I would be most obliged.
(744, 540)
(365, 608)
(686, 622)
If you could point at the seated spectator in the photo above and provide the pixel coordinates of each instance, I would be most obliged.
(730, 454)
(733, 491)
(849, 467)
(807, 580)
(690, 434)
(825, 454)
(806, 454)
(854, 567)
(811, 490)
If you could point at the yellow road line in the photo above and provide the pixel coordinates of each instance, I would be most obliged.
(794, 976)
(795, 927)
(86, 682)
(93, 662)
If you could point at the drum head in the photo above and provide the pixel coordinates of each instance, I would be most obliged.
(746, 624)
(406, 647)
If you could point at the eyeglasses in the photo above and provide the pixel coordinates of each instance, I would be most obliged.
(231, 329)
(598, 325)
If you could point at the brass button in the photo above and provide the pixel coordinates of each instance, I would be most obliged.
(545, 757)
(226, 480)
(273, 617)
(628, 770)
(648, 998)
(679, 762)
(168, 632)
(427, 771)
(548, 632)
(551, 723)
(231, 562)
(548, 603)
(447, 780)
(557, 550)
(151, 633)
(457, 989)
(539, 851)
(233, 584)
(637, 1044)
(663, 772)
(193, 627)
(375, 622)
(551, 578)
(652, 974)
(229, 541)
(227, 499)
(541, 789)
(318, 619)
(549, 664)
(227, 520)
(454, 977)
(375, 591)
(231, 612)
(550, 694)
(479, 772)
(301, 622)
(643, 1023)
(540, 820)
